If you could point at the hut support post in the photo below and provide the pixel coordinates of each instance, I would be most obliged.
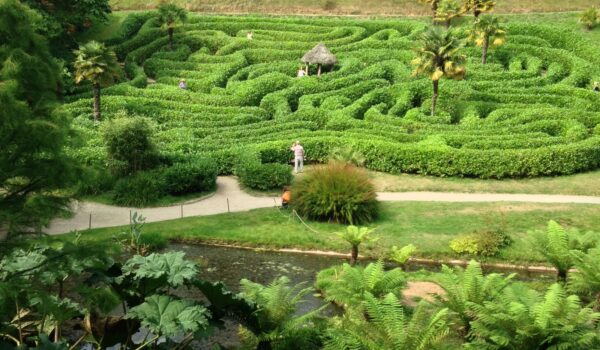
(307, 69)
(319, 70)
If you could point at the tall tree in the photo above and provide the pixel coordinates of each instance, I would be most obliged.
(478, 6)
(97, 64)
(439, 56)
(487, 30)
(169, 16)
(434, 7)
(34, 167)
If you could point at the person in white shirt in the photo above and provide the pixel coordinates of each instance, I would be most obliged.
(298, 157)
(250, 35)
(301, 72)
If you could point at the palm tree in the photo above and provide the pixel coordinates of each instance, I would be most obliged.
(347, 285)
(590, 18)
(279, 326)
(439, 56)
(169, 16)
(465, 288)
(384, 325)
(97, 64)
(434, 7)
(478, 6)
(356, 236)
(447, 11)
(487, 30)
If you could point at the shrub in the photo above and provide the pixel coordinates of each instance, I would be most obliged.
(129, 145)
(485, 243)
(196, 176)
(265, 176)
(335, 192)
(95, 180)
(140, 189)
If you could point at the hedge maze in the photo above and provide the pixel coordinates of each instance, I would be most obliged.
(529, 112)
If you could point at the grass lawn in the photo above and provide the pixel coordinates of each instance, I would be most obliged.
(586, 184)
(430, 226)
(354, 7)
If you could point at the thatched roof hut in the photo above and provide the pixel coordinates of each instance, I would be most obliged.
(321, 56)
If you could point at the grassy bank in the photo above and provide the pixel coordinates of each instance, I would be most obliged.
(348, 7)
(430, 226)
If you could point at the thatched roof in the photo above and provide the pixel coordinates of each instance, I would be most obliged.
(319, 55)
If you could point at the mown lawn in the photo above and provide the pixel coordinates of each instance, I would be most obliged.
(430, 226)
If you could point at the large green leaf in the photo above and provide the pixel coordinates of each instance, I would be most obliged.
(171, 266)
(165, 315)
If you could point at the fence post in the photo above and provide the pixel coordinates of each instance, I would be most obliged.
(182, 211)
(228, 205)
(129, 217)
(90, 222)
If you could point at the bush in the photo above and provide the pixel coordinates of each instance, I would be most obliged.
(95, 180)
(253, 174)
(486, 243)
(129, 145)
(139, 190)
(196, 176)
(335, 192)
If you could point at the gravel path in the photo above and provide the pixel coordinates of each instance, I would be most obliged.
(229, 197)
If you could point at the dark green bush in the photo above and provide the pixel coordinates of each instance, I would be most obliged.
(140, 189)
(129, 145)
(95, 180)
(265, 176)
(196, 176)
(335, 192)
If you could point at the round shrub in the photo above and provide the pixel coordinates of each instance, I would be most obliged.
(335, 192)
(486, 243)
(139, 190)
(129, 145)
(265, 176)
(196, 176)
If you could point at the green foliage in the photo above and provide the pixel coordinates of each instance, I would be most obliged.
(196, 176)
(466, 288)
(35, 168)
(256, 175)
(140, 189)
(402, 255)
(478, 6)
(487, 31)
(166, 316)
(347, 285)
(96, 63)
(335, 192)
(348, 156)
(484, 243)
(585, 280)
(168, 269)
(590, 18)
(385, 325)
(278, 324)
(556, 245)
(129, 144)
(521, 319)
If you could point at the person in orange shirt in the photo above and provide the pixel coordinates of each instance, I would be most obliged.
(285, 197)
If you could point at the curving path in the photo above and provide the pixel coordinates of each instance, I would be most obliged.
(230, 198)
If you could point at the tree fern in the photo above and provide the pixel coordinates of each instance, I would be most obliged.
(346, 285)
(585, 281)
(279, 327)
(386, 326)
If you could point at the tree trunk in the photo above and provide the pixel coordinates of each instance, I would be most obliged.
(561, 276)
(476, 12)
(96, 89)
(486, 45)
(170, 31)
(434, 7)
(319, 70)
(434, 96)
(354, 255)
